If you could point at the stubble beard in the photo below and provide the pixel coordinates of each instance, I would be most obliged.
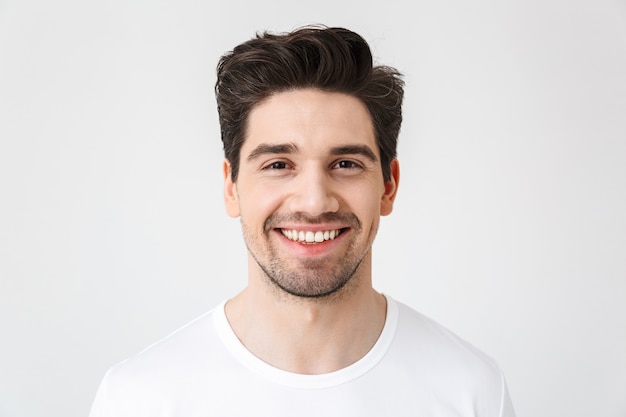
(315, 279)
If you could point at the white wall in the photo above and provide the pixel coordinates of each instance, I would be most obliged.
(510, 226)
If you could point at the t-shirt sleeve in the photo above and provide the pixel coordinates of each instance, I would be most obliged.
(99, 407)
(506, 408)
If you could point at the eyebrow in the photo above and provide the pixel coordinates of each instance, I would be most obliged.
(264, 149)
(362, 150)
(291, 148)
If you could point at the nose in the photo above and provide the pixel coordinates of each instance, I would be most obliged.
(313, 193)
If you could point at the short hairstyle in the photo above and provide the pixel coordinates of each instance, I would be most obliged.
(329, 59)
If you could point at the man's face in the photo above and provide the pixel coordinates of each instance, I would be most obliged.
(310, 191)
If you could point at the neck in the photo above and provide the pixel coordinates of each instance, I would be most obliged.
(308, 336)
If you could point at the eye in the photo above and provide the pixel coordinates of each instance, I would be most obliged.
(276, 166)
(347, 164)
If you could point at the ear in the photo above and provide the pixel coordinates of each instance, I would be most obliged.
(231, 199)
(391, 189)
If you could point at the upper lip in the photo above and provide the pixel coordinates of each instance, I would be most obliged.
(312, 227)
(300, 222)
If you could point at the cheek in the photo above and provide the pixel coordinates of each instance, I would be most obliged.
(366, 206)
(258, 201)
(366, 200)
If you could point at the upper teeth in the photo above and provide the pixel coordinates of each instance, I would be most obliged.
(309, 236)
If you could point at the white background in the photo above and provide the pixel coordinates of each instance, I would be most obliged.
(509, 229)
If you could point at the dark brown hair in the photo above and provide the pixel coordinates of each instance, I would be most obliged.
(329, 59)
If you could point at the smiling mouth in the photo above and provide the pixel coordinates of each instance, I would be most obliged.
(308, 236)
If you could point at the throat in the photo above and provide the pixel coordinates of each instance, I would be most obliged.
(310, 339)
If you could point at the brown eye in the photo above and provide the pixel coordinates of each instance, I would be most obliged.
(278, 165)
(346, 164)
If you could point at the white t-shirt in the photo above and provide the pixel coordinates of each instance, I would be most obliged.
(416, 368)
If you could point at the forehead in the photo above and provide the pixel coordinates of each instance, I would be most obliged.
(311, 119)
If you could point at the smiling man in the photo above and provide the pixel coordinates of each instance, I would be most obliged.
(309, 128)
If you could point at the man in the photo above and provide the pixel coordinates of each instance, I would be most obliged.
(309, 128)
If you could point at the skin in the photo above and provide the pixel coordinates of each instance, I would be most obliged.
(309, 163)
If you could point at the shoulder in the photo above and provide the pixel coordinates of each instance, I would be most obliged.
(429, 338)
(166, 370)
(442, 357)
